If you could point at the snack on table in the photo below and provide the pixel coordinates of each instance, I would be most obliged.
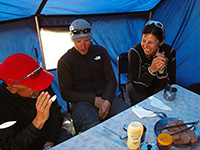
(185, 137)
(172, 123)
(178, 122)
(193, 136)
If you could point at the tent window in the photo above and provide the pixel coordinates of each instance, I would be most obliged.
(55, 42)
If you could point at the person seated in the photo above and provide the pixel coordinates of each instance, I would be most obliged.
(28, 120)
(152, 64)
(87, 80)
(195, 87)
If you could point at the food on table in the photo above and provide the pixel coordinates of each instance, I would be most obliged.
(172, 123)
(185, 137)
(193, 136)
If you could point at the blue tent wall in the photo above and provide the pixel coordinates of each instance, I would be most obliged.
(15, 9)
(181, 20)
(18, 37)
(118, 33)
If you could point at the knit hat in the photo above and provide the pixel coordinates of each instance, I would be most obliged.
(80, 29)
(22, 69)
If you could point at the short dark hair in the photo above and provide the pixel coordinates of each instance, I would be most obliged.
(158, 32)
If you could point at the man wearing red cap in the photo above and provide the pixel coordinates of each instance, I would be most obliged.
(28, 120)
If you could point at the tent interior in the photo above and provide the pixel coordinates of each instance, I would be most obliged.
(116, 25)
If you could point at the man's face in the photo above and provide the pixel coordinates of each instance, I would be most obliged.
(25, 91)
(82, 45)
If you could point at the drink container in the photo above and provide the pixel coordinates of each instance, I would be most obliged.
(134, 131)
(164, 141)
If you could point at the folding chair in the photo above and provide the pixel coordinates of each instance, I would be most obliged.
(122, 67)
(68, 107)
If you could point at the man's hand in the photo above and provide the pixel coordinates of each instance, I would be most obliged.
(51, 144)
(42, 106)
(158, 63)
(104, 110)
(98, 102)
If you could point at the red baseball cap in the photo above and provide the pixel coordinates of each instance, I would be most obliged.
(18, 66)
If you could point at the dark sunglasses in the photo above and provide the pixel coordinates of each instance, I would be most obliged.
(156, 23)
(78, 31)
(32, 75)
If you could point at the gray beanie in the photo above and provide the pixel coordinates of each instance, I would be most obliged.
(80, 24)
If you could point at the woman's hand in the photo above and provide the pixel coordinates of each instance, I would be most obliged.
(158, 62)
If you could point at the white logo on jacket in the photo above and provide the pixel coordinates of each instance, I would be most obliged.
(97, 58)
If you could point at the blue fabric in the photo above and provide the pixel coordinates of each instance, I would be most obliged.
(19, 37)
(182, 30)
(79, 7)
(15, 9)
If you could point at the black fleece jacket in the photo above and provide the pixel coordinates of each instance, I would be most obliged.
(23, 135)
(83, 77)
(139, 74)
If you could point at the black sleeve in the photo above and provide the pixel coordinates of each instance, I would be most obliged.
(110, 78)
(139, 79)
(18, 141)
(54, 123)
(21, 137)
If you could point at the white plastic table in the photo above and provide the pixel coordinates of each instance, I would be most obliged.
(186, 106)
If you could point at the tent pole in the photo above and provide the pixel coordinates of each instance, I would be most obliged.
(40, 41)
(41, 7)
(150, 14)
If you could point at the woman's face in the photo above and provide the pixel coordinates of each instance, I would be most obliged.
(150, 44)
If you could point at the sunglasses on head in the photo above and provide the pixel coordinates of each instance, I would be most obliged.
(32, 75)
(156, 23)
(78, 31)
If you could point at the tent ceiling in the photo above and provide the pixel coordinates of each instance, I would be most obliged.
(15, 9)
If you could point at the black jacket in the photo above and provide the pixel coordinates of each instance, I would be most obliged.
(23, 135)
(83, 77)
(139, 74)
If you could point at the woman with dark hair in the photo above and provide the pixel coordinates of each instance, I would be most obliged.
(152, 64)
